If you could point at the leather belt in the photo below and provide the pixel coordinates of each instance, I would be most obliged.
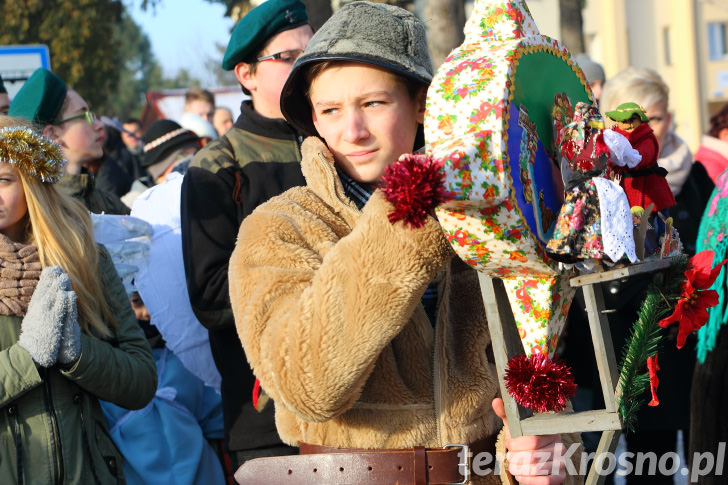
(327, 465)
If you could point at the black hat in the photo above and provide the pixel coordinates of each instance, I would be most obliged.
(161, 139)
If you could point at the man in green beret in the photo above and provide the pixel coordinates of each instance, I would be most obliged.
(255, 160)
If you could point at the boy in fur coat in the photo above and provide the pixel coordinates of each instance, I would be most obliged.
(368, 335)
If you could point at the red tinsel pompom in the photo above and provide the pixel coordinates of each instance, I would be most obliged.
(414, 185)
(539, 383)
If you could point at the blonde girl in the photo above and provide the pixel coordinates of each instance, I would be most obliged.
(68, 335)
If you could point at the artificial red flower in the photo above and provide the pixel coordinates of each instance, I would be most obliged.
(652, 368)
(691, 310)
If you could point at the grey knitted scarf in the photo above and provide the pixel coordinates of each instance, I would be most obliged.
(19, 272)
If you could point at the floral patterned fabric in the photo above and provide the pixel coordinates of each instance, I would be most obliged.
(578, 233)
(493, 133)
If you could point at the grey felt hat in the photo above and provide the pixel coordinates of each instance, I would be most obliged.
(373, 33)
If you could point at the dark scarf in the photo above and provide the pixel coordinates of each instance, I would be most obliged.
(19, 272)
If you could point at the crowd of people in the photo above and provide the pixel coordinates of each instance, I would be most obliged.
(280, 328)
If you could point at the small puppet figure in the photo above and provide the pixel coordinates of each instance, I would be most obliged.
(645, 183)
(595, 220)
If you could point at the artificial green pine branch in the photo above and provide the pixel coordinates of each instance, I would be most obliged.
(645, 338)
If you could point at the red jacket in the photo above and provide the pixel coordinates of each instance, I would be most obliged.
(643, 184)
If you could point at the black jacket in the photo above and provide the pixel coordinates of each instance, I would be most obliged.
(256, 160)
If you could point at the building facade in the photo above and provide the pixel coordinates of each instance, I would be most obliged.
(685, 41)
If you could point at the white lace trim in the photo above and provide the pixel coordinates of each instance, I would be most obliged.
(616, 220)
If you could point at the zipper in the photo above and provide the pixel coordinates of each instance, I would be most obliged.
(443, 292)
(84, 435)
(53, 431)
(13, 413)
(437, 385)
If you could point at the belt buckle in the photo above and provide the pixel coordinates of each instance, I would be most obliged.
(464, 464)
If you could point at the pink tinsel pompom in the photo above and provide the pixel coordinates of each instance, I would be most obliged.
(539, 383)
(414, 184)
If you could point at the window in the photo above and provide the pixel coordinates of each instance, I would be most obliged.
(717, 46)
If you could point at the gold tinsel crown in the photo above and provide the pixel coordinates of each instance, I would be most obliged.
(31, 153)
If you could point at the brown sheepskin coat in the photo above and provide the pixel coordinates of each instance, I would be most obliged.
(327, 306)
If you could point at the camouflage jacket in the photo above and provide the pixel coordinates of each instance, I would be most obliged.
(257, 159)
(83, 187)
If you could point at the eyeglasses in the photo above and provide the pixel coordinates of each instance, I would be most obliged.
(288, 57)
(89, 115)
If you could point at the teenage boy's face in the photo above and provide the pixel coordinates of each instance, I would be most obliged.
(366, 116)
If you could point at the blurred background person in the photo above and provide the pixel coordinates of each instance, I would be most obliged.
(174, 439)
(64, 117)
(709, 396)
(131, 135)
(713, 150)
(118, 167)
(200, 102)
(222, 120)
(168, 147)
(594, 73)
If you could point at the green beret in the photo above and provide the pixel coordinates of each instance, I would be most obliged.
(259, 25)
(40, 99)
(626, 111)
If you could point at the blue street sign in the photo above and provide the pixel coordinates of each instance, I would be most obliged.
(17, 63)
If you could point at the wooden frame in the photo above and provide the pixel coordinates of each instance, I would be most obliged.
(507, 344)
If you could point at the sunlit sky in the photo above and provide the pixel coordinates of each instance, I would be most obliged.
(184, 33)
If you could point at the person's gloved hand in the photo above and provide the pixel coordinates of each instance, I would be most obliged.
(40, 332)
(69, 348)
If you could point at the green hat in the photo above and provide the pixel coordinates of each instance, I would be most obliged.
(372, 33)
(41, 98)
(626, 111)
(260, 24)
